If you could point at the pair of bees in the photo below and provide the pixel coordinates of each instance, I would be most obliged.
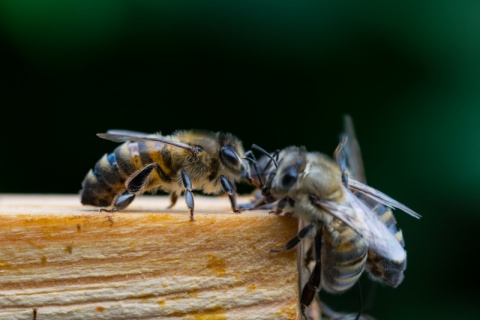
(351, 223)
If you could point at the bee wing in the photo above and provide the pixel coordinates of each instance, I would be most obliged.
(380, 197)
(352, 150)
(123, 135)
(357, 179)
(126, 135)
(358, 216)
(120, 132)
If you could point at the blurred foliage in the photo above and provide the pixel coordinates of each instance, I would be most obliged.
(274, 73)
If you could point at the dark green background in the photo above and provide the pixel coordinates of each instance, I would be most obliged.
(274, 73)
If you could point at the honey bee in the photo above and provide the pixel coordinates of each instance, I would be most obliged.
(354, 226)
(182, 162)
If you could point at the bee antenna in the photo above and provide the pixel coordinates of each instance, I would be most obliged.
(254, 163)
(254, 146)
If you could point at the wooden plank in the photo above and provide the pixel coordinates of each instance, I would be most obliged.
(73, 262)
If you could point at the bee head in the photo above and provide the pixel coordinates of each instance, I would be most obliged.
(231, 155)
(291, 165)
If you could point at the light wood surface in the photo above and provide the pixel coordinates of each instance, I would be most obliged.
(73, 262)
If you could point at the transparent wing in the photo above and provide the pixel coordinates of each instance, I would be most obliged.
(349, 157)
(380, 197)
(118, 133)
(352, 151)
(126, 135)
(358, 216)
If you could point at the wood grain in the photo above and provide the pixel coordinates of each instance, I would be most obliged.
(146, 262)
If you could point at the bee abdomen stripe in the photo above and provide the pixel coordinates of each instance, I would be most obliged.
(95, 192)
(351, 270)
(380, 209)
(163, 176)
(144, 154)
(106, 173)
(343, 259)
(124, 159)
(337, 282)
(388, 218)
(350, 250)
(340, 277)
(112, 160)
(399, 237)
(166, 156)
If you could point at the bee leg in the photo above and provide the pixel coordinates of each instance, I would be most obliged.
(173, 199)
(312, 286)
(282, 204)
(122, 201)
(257, 203)
(263, 199)
(134, 186)
(139, 179)
(295, 240)
(228, 188)
(359, 314)
(187, 183)
(310, 289)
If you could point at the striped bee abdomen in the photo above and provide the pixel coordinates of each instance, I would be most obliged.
(379, 267)
(384, 270)
(343, 256)
(109, 174)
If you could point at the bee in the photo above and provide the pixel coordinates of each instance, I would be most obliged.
(182, 162)
(353, 223)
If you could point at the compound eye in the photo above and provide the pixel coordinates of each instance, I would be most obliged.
(229, 156)
(289, 177)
